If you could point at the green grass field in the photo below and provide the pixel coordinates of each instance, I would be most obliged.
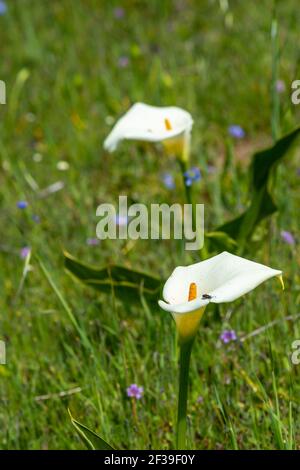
(72, 68)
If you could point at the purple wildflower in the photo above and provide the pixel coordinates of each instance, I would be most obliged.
(280, 86)
(200, 399)
(227, 336)
(134, 391)
(287, 237)
(168, 181)
(92, 241)
(123, 62)
(24, 252)
(3, 7)
(22, 204)
(192, 175)
(236, 131)
(119, 13)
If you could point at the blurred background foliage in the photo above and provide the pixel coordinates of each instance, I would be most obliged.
(71, 69)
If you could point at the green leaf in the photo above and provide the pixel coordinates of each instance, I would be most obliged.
(89, 437)
(123, 281)
(261, 205)
(220, 241)
(265, 160)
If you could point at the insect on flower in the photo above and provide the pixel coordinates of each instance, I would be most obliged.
(206, 296)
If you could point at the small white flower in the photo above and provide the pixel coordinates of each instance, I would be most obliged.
(150, 124)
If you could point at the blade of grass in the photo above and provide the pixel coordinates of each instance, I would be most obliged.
(227, 420)
(65, 305)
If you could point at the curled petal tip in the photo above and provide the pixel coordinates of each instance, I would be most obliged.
(281, 281)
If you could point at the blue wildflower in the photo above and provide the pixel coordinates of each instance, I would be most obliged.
(22, 204)
(168, 181)
(188, 181)
(121, 220)
(236, 131)
(3, 7)
(192, 175)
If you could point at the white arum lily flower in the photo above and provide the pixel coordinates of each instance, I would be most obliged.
(169, 125)
(223, 278)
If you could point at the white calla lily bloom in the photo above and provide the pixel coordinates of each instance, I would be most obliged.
(170, 125)
(222, 278)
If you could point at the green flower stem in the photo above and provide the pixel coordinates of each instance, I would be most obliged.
(184, 366)
(188, 190)
(190, 200)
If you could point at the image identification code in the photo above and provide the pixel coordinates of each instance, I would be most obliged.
(150, 459)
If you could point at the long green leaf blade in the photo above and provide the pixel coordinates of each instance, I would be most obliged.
(89, 437)
(123, 281)
(261, 205)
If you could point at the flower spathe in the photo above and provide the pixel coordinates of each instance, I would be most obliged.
(170, 125)
(222, 278)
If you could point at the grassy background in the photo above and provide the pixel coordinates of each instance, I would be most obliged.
(65, 88)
